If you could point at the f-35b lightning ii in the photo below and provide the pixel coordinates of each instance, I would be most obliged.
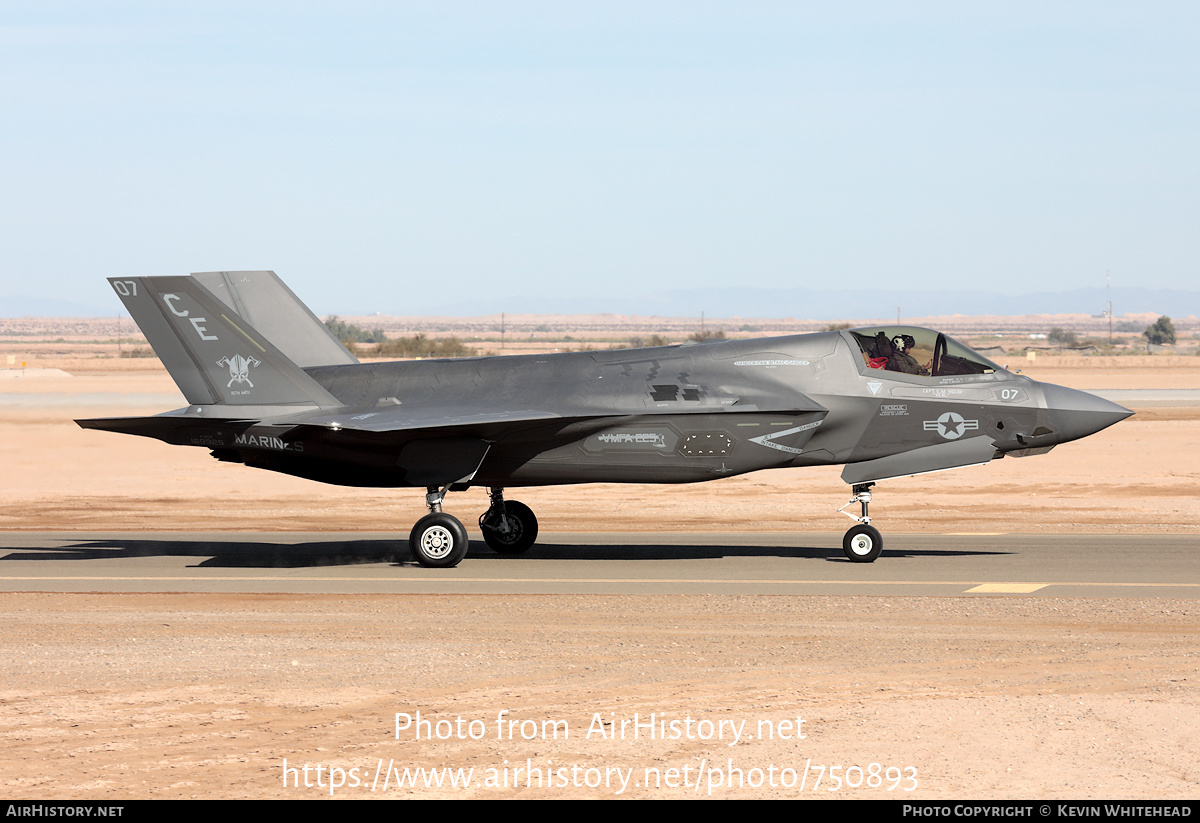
(268, 385)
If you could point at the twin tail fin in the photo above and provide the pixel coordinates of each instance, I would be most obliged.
(212, 351)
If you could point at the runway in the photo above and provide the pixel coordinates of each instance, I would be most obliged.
(976, 565)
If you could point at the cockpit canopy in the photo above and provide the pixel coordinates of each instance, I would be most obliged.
(913, 350)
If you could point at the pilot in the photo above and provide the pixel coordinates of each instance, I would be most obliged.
(901, 360)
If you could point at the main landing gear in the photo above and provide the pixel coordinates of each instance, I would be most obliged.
(508, 527)
(862, 543)
(440, 541)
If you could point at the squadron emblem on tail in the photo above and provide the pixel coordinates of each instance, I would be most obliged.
(239, 369)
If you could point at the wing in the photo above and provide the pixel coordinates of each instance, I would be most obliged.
(183, 427)
(433, 446)
(392, 420)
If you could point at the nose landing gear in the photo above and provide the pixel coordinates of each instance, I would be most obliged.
(862, 543)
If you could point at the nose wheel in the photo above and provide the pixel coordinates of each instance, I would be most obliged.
(862, 543)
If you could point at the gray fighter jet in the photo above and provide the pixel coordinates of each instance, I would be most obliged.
(269, 386)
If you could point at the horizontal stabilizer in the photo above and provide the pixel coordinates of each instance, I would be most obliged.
(172, 427)
(954, 454)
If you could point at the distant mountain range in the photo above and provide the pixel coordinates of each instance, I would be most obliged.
(18, 305)
(831, 304)
(807, 304)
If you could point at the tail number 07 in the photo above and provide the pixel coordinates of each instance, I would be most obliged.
(125, 287)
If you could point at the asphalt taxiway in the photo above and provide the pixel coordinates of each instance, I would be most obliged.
(1025, 565)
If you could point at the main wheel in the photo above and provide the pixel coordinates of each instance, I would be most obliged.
(510, 532)
(862, 543)
(438, 541)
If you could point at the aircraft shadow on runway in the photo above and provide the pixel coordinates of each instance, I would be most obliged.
(263, 555)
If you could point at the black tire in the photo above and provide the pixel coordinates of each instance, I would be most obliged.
(438, 541)
(862, 544)
(512, 532)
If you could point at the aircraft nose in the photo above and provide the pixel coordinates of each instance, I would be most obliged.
(1075, 414)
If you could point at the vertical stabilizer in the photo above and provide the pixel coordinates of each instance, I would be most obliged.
(267, 304)
(215, 356)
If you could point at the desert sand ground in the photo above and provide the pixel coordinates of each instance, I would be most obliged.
(174, 695)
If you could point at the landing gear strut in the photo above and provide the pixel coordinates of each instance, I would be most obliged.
(508, 527)
(439, 540)
(862, 543)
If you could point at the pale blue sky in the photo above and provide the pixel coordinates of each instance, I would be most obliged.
(397, 157)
